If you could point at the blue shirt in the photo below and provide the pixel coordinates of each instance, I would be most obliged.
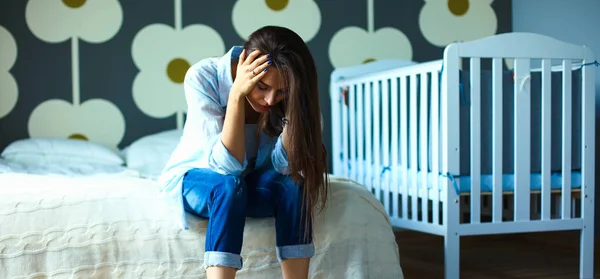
(206, 86)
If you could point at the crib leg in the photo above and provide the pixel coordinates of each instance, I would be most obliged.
(452, 256)
(586, 259)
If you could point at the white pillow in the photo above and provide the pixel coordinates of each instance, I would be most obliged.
(60, 150)
(149, 154)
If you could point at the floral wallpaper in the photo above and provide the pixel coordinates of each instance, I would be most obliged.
(111, 71)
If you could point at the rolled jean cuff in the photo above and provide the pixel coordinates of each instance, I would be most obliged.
(213, 258)
(295, 251)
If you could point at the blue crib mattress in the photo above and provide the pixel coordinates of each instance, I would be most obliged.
(462, 183)
(508, 182)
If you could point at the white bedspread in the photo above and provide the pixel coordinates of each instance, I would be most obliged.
(66, 169)
(108, 226)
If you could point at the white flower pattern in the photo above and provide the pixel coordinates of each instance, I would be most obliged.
(445, 21)
(9, 91)
(163, 55)
(302, 16)
(96, 120)
(94, 21)
(353, 45)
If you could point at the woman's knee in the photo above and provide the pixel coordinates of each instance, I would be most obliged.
(204, 189)
(232, 188)
(288, 187)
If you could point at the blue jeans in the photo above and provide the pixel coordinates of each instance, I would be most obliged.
(227, 200)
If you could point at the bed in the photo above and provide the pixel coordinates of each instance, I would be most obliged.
(496, 137)
(73, 209)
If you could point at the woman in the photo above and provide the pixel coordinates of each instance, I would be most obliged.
(252, 147)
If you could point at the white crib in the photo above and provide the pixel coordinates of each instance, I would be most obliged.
(500, 160)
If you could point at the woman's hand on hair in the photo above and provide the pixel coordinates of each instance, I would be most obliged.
(250, 69)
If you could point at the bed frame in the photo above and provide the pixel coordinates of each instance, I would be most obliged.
(398, 129)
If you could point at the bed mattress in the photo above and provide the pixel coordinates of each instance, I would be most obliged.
(115, 226)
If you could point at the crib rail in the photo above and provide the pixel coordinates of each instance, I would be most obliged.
(382, 116)
(392, 121)
(531, 48)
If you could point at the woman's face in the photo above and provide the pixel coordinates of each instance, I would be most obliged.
(268, 91)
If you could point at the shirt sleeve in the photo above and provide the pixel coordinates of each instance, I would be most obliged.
(279, 158)
(204, 124)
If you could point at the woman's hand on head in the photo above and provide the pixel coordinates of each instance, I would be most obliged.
(250, 69)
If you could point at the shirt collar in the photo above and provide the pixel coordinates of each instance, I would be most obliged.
(224, 72)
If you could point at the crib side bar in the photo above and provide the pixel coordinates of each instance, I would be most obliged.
(404, 143)
(336, 106)
(345, 159)
(352, 122)
(475, 159)
(395, 142)
(586, 266)
(567, 100)
(497, 136)
(450, 160)
(546, 137)
(423, 122)
(385, 143)
(397, 72)
(377, 138)
(368, 132)
(435, 145)
(522, 139)
(531, 45)
(360, 126)
(450, 122)
(414, 186)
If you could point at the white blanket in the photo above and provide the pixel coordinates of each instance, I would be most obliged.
(108, 226)
(66, 169)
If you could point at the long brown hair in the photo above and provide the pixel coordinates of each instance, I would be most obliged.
(306, 154)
